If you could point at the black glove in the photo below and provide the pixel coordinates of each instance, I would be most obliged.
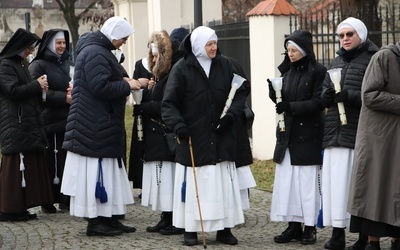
(272, 93)
(137, 110)
(342, 96)
(327, 97)
(282, 107)
(182, 133)
(224, 123)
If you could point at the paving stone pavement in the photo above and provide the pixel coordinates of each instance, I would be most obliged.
(62, 231)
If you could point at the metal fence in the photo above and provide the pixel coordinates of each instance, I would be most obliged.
(382, 23)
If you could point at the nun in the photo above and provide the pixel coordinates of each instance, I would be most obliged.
(194, 98)
(95, 177)
(24, 179)
(52, 60)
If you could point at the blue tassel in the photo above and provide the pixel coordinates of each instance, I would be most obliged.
(183, 189)
(100, 189)
(320, 222)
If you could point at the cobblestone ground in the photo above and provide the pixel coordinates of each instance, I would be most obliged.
(61, 231)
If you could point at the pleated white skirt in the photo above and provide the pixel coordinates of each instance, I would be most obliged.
(79, 182)
(158, 185)
(219, 198)
(246, 181)
(336, 177)
(295, 195)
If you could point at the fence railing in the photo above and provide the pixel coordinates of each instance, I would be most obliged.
(382, 23)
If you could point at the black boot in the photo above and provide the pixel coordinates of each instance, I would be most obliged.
(171, 230)
(190, 238)
(99, 227)
(225, 236)
(49, 209)
(360, 244)
(373, 245)
(337, 240)
(309, 235)
(118, 225)
(166, 220)
(292, 232)
(395, 245)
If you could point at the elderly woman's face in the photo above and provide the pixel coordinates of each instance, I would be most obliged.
(211, 48)
(28, 51)
(293, 53)
(349, 38)
(118, 43)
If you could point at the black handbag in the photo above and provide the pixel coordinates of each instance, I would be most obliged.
(249, 115)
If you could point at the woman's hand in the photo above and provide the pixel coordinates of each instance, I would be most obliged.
(43, 82)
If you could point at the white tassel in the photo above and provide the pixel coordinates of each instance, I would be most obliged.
(56, 180)
(22, 169)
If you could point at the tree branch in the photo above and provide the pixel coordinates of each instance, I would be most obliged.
(86, 10)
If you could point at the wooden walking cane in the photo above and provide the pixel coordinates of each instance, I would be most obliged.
(203, 236)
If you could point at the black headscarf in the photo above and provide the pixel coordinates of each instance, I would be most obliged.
(47, 38)
(19, 41)
(302, 38)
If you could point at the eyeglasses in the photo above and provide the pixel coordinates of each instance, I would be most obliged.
(348, 34)
(31, 48)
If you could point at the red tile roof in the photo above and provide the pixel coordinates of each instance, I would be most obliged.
(273, 7)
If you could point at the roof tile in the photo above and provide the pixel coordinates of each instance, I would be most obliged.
(273, 7)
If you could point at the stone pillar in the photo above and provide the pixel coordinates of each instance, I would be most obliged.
(267, 34)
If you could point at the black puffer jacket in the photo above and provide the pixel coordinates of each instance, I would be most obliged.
(302, 85)
(55, 110)
(155, 144)
(353, 64)
(20, 128)
(196, 101)
(95, 125)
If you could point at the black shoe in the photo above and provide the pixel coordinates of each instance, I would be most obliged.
(119, 216)
(118, 225)
(395, 245)
(49, 209)
(309, 235)
(31, 216)
(24, 216)
(225, 236)
(292, 232)
(99, 227)
(373, 245)
(166, 221)
(190, 238)
(337, 240)
(360, 244)
(171, 230)
(62, 206)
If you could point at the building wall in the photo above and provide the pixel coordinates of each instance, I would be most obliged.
(154, 15)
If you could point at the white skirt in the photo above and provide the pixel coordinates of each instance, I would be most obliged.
(295, 195)
(218, 194)
(246, 181)
(158, 185)
(79, 182)
(336, 177)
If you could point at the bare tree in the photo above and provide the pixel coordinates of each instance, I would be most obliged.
(88, 14)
